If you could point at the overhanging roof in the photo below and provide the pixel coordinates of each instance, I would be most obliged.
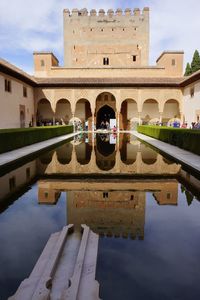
(11, 70)
(109, 82)
(176, 82)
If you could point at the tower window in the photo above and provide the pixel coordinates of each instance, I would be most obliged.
(42, 63)
(28, 173)
(7, 85)
(12, 183)
(168, 195)
(192, 92)
(24, 91)
(134, 57)
(173, 62)
(106, 61)
(105, 194)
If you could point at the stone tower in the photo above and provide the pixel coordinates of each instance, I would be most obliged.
(99, 40)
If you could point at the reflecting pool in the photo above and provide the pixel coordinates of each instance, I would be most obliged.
(145, 208)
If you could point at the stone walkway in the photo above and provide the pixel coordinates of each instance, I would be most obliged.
(184, 157)
(11, 156)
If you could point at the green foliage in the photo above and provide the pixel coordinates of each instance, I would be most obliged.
(195, 65)
(189, 197)
(11, 139)
(187, 139)
(188, 70)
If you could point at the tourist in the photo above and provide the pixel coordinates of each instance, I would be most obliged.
(107, 125)
(184, 125)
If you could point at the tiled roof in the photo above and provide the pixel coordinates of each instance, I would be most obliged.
(190, 79)
(12, 70)
(135, 81)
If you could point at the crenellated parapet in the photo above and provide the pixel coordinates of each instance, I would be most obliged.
(102, 13)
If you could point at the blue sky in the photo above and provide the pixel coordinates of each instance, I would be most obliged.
(27, 26)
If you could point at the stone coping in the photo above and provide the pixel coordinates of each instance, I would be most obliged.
(14, 155)
(188, 159)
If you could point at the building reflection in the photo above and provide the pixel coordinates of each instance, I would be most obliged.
(109, 208)
(112, 205)
(107, 154)
(16, 180)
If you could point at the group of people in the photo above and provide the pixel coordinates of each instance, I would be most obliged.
(195, 125)
(105, 125)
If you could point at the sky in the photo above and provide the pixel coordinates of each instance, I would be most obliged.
(27, 26)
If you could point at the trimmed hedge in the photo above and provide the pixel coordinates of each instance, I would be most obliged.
(188, 139)
(11, 139)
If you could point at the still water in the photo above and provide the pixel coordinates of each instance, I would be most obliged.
(145, 208)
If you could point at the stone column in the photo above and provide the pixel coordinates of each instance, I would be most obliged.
(139, 117)
(118, 124)
(118, 142)
(181, 117)
(73, 115)
(160, 119)
(93, 122)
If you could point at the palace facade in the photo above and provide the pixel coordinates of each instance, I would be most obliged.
(106, 77)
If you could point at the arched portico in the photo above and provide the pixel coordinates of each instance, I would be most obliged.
(63, 111)
(171, 110)
(83, 113)
(45, 114)
(105, 112)
(104, 116)
(150, 111)
(128, 114)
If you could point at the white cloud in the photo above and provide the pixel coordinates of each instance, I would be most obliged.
(175, 25)
(27, 25)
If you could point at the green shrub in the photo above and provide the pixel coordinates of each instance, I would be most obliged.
(11, 139)
(188, 139)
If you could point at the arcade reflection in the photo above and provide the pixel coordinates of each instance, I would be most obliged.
(111, 205)
(105, 154)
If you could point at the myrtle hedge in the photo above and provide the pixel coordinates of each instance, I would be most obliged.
(11, 139)
(188, 139)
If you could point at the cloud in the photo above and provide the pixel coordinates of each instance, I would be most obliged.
(27, 26)
(174, 25)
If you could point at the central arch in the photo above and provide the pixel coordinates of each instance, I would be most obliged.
(104, 114)
(105, 109)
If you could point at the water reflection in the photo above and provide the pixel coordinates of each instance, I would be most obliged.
(83, 153)
(109, 154)
(64, 153)
(114, 208)
(120, 188)
(128, 150)
(101, 154)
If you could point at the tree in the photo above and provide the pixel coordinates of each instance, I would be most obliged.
(188, 70)
(195, 65)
